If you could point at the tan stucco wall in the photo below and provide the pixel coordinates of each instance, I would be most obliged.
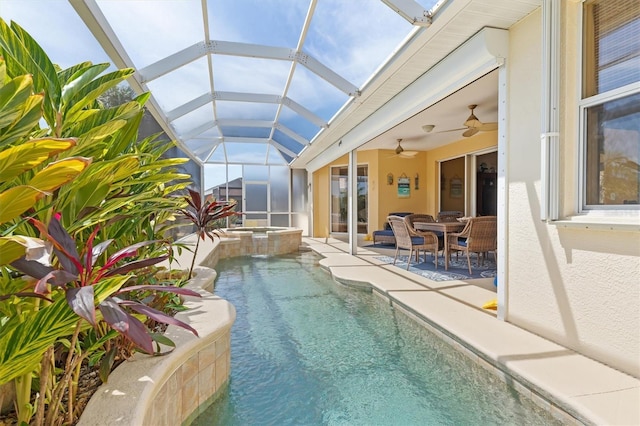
(576, 286)
(387, 195)
(383, 198)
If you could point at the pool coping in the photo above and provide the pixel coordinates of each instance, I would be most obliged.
(176, 387)
(571, 387)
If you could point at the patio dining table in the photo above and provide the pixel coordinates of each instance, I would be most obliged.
(445, 228)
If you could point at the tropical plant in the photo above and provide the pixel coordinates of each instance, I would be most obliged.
(78, 275)
(203, 215)
(63, 152)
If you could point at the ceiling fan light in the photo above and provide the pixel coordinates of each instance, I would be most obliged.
(470, 132)
(473, 121)
(399, 148)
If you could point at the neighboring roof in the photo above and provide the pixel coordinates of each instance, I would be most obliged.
(232, 184)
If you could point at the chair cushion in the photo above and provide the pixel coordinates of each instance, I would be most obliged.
(401, 214)
(417, 240)
(383, 232)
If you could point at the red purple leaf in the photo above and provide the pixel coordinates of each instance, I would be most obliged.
(64, 247)
(82, 303)
(139, 334)
(98, 249)
(88, 260)
(126, 252)
(32, 268)
(136, 264)
(128, 325)
(56, 277)
(114, 315)
(156, 315)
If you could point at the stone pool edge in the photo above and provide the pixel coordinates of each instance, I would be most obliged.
(199, 367)
(544, 398)
(173, 388)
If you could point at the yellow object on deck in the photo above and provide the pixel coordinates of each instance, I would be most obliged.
(492, 304)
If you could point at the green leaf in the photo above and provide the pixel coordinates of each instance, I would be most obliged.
(17, 200)
(28, 155)
(90, 91)
(22, 343)
(101, 132)
(14, 247)
(12, 97)
(81, 196)
(65, 75)
(86, 120)
(25, 121)
(107, 364)
(25, 56)
(79, 79)
(58, 173)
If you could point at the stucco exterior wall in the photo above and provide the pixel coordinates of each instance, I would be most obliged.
(321, 189)
(382, 198)
(387, 195)
(577, 286)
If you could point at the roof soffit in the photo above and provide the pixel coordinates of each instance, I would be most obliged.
(453, 24)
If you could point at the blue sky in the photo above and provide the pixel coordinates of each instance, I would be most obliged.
(351, 37)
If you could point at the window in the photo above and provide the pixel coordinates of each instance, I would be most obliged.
(610, 105)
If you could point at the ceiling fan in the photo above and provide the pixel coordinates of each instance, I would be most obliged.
(400, 151)
(472, 125)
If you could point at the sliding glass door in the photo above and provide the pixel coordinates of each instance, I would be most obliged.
(469, 184)
(339, 199)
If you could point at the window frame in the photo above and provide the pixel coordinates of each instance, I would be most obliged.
(583, 104)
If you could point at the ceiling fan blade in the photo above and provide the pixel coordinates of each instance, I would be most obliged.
(487, 127)
(470, 132)
(452, 130)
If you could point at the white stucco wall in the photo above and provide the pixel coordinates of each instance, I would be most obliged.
(576, 286)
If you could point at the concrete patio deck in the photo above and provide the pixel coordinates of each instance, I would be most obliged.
(574, 388)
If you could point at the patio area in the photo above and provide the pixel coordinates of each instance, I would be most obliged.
(574, 388)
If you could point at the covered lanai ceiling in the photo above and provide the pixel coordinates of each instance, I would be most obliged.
(250, 81)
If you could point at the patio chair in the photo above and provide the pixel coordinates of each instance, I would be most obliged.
(430, 237)
(449, 215)
(405, 241)
(385, 236)
(478, 236)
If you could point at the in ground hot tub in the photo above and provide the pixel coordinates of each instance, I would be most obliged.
(251, 241)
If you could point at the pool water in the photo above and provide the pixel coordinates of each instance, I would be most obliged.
(307, 351)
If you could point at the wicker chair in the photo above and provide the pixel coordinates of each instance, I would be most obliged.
(405, 241)
(449, 215)
(430, 237)
(478, 236)
(418, 217)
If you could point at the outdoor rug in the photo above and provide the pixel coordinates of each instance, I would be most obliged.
(458, 269)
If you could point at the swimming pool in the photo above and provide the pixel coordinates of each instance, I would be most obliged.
(307, 351)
